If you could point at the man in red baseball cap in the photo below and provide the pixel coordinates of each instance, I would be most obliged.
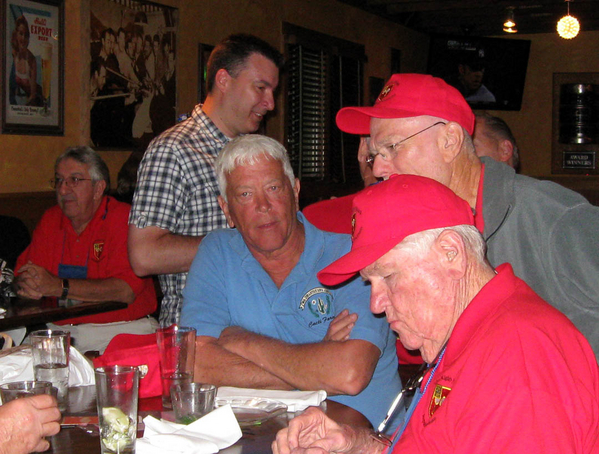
(507, 372)
(420, 125)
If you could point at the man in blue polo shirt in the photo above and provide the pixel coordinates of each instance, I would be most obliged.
(263, 319)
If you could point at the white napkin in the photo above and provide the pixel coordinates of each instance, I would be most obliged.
(217, 430)
(17, 365)
(295, 400)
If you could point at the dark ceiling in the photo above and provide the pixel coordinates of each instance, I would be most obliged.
(481, 17)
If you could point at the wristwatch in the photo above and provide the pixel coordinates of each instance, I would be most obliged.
(65, 289)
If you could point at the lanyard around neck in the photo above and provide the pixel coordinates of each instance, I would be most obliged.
(430, 377)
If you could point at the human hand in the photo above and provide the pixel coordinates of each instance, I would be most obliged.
(35, 281)
(313, 432)
(26, 286)
(341, 326)
(25, 422)
(232, 338)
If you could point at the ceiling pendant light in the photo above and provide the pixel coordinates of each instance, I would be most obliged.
(568, 26)
(509, 26)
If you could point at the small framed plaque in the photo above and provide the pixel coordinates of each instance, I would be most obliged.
(579, 160)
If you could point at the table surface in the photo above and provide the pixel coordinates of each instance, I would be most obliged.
(26, 312)
(255, 440)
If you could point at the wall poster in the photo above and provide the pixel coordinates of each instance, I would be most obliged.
(132, 75)
(33, 67)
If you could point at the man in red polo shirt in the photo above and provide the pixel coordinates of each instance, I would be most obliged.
(79, 252)
(507, 373)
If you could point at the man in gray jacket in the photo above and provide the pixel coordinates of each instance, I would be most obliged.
(420, 125)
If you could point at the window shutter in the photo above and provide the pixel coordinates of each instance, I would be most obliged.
(324, 75)
(307, 104)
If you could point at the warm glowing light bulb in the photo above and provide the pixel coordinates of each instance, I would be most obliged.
(568, 27)
(509, 23)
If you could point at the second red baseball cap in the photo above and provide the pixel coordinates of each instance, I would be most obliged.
(410, 95)
(387, 212)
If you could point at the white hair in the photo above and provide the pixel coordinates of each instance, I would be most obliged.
(245, 150)
(420, 244)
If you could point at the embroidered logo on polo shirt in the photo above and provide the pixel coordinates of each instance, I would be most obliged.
(319, 302)
(98, 249)
(439, 395)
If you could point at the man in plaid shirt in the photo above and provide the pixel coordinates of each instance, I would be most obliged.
(175, 203)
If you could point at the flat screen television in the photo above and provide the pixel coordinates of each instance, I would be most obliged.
(489, 72)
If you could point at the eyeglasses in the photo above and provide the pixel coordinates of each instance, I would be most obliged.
(71, 182)
(392, 147)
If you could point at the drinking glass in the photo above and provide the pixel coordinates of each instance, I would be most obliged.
(191, 401)
(19, 389)
(176, 345)
(117, 395)
(50, 352)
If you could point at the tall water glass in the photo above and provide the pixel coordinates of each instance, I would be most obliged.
(176, 345)
(117, 395)
(50, 352)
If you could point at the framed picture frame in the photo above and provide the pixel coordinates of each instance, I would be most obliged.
(33, 67)
(133, 83)
(489, 72)
(575, 126)
(204, 51)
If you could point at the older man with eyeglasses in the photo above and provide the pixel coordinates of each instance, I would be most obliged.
(79, 252)
(420, 125)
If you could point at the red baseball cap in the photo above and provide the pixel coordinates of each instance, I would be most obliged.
(410, 95)
(387, 212)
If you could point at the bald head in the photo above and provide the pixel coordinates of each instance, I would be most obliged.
(493, 138)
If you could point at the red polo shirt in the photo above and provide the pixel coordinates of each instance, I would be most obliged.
(517, 377)
(102, 246)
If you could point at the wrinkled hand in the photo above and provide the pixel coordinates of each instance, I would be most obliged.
(313, 433)
(34, 282)
(24, 423)
(341, 326)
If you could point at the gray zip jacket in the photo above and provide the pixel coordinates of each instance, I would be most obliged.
(550, 235)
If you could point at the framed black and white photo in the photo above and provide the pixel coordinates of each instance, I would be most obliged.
(133, 88)
(33, 67)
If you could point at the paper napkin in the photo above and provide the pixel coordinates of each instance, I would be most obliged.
(217, 430)
(295, 400)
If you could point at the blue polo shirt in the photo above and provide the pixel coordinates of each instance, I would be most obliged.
(226, 286)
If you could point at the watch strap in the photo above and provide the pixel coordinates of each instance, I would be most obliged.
(65, 289)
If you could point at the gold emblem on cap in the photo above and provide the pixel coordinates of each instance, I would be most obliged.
(385, 92)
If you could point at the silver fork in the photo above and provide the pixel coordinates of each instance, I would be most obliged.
(409, 389)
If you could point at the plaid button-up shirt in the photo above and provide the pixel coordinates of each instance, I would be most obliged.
(177, 191)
